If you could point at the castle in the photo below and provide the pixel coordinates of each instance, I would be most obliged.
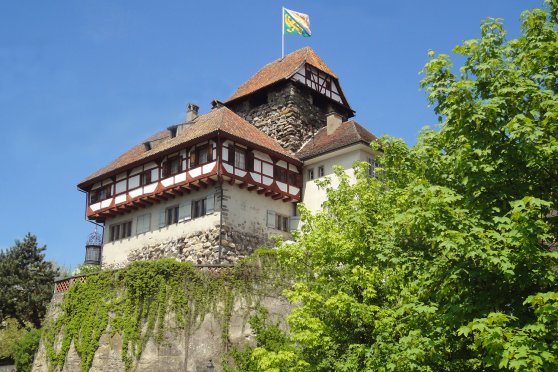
(213, 188)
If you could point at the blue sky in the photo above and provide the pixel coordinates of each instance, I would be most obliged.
(83, 81)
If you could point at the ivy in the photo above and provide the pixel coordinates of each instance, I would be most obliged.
(147, 298)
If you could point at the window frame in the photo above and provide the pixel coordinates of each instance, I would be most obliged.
(321, 171)
(171, 215)
(120, 230)
(95, 195)
(199, 208)
(167, 168)
(310, 173)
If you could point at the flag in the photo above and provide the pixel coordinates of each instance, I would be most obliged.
(296, 23)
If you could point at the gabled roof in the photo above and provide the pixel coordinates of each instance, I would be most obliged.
(348, 133)
(218, 120)
(281, 69)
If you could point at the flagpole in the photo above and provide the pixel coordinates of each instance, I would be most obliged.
(282, 32)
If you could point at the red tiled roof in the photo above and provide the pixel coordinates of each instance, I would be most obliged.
(221, 119)
(348, 133)
(281, 69)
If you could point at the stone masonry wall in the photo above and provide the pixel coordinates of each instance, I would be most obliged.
(289, 116)
(202, 248)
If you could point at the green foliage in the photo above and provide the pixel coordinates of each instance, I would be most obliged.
(273, 351)
(26, 280)
(86, 269)
(147, 299)
(10, 333)
(25, 349)
(448, 261)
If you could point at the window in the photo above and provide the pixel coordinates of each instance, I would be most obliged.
(310, 173)
(372, 167)
(171, 166)
(145, 178)
(120, 231)
(321, 171)
(143, 223)
(281, 174)
(294, 179)
(277, 221)
(239, 158)
(171, 215)
(282, 223)
(201, 155)
(198, 208)
(100, 194)
(236, 156)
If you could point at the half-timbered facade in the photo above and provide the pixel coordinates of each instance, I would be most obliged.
(212, 189)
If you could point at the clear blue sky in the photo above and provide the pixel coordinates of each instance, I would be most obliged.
(83, 81)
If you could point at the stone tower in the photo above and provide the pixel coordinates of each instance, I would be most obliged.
(290, 98)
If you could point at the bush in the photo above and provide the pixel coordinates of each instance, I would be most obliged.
(25, 349)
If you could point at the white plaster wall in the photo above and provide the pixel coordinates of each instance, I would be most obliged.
(314, 196)
(115, 253)
(247, 211)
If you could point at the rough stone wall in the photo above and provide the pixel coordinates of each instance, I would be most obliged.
(289, 116)
(202, 248)
(180, 350)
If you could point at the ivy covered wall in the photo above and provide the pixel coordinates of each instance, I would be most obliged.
(159, 315)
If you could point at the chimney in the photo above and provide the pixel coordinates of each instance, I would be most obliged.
(334, 120)
(191, 112)
(215, 104)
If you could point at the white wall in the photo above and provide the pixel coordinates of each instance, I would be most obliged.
(314, 196)
(115, 253)
(247, 211)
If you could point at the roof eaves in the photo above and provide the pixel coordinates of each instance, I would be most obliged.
(312, 156)
(141, 160)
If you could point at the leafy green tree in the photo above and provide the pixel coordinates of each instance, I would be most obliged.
(25, 349)
(26, 280)
(449, 261)
(10, 333)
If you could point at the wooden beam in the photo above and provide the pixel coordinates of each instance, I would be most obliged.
(242, 185)
(276, 196)
(261, 191)
(252, 188)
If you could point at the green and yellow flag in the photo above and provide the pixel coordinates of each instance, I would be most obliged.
(296, 23)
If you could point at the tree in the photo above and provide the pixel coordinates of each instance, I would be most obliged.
(449, 261)
(26, 280)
